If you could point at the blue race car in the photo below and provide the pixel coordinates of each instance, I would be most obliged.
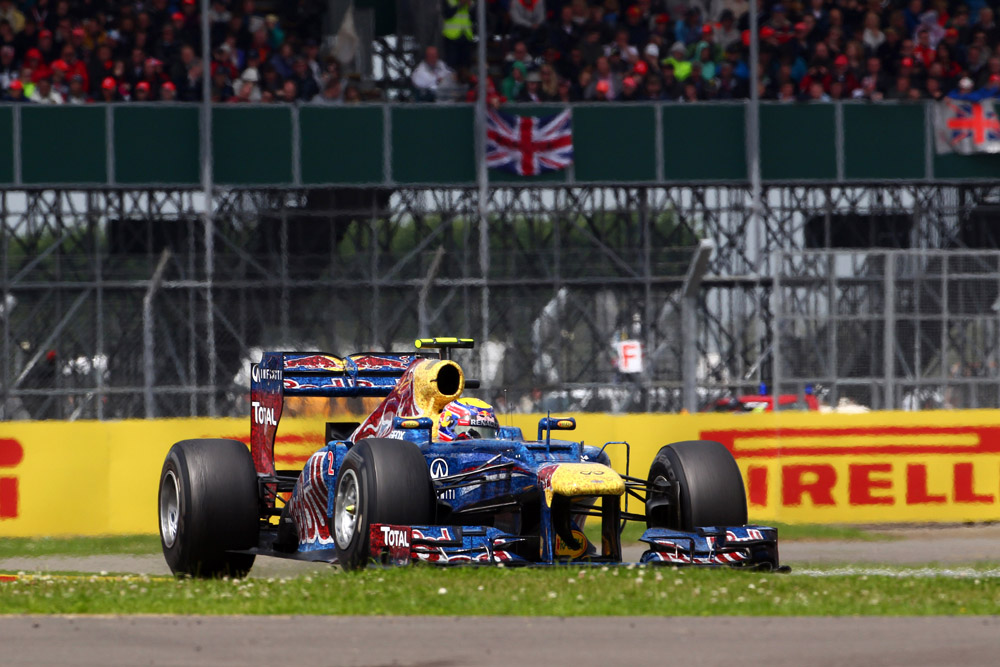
(431, 476)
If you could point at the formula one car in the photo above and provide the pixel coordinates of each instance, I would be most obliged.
(390, 490)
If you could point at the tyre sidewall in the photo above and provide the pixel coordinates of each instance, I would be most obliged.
(217, 508)
(726, 507)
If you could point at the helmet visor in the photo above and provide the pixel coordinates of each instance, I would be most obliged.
(477, 431)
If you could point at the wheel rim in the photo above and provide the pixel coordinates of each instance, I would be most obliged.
(346, 516)
(170, 508)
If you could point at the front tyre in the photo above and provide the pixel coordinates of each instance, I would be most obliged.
(692, 484)
(208, 507)
(380, 481)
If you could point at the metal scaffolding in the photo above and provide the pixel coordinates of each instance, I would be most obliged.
(91, 328)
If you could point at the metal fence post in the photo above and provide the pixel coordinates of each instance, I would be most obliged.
(889, 332)
(689, 322)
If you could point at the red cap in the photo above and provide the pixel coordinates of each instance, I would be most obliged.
(42, 34)
(993, 78)
(633, 10)
(33, 54)
(108, 83)
(951, 32)
(16, 85)
(153, 62)
(177, 16)
(142, 85)
(188, 2)
(907, 62)
(603, 86)
(629, 81)
(43, 72)
(767, 32)
(663, 18)
(641, 67)
(168, 86)
(50, 355)
(706, 29)
(800, 25)
(78, 32)
(746, 38)
(840, 60)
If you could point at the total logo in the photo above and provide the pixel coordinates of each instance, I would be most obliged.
(262, 415)
(393, 537)
(257, 373)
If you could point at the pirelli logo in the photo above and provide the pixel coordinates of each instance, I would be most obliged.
(880, 473)
(11, 454)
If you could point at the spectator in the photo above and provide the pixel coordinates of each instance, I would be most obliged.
(352, 95)
(549, 83)
(44, 93)
(168, 92)
(678, 60)
(109, 90)
(12, 15)
(77, 94)
(431, 75)
(532, 90)
(142, 92)
(305, 84)
(457, 32)
(512, 86)
(8, 70)
(332, 93)
(15, 93)
(527, 18)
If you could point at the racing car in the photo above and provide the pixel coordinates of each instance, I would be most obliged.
(393, 490)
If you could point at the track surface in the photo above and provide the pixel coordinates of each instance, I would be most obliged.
(442, 642)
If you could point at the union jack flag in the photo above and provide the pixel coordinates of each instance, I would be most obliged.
(967, 127)
(527, 145)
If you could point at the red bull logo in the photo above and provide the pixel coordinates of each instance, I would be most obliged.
(11, 454)
(315, 362)
(373, 362)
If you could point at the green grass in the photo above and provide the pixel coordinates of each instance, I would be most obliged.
(562, 591)
(786, 532)
(78, 546)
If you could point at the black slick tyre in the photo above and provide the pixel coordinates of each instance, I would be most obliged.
(695, 483)
(380, 481)
(208, 507)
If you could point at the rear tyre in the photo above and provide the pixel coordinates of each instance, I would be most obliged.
(207, 507)
(380, 481)
(695, 483)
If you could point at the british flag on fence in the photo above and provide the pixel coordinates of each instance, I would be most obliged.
(966, 127)
(528, 145)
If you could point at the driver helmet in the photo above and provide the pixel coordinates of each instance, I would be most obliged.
(468, 418)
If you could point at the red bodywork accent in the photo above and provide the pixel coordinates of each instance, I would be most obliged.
(391, 541)
(398, 403)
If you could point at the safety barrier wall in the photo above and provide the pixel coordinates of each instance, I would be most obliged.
(90, 478)
(383, 145)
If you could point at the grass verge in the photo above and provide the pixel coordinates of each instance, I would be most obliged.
(561, 591)
(11, 547)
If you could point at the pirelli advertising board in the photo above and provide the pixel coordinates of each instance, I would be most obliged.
(94, 478)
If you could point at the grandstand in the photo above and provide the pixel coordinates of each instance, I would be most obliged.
(344, 51)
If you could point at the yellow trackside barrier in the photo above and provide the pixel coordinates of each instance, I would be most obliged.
(90, 478)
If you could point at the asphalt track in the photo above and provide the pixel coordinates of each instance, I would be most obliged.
(442, 642)
(501, 641)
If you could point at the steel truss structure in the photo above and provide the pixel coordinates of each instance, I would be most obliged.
(105, 310)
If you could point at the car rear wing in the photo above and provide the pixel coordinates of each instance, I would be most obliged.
(281, 374)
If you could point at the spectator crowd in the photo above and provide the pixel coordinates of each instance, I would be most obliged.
(692, 50)
(80, 51)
